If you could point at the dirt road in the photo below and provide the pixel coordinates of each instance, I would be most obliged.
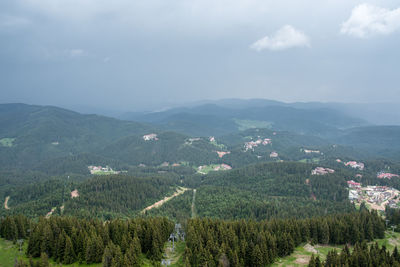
(6, 203)
(179, 191)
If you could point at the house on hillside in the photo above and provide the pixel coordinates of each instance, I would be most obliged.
(353, 184)
(355, 165)
(386, 175)
(148, 137)
(273, 154)
(321, 171)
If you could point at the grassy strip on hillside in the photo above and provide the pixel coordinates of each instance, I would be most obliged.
(251, 124)
(302, 254)
(10, 251)
(7, 142)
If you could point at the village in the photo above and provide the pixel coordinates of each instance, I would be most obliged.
(99, 170)
(376, 197)
(205, 169)
(252, 144)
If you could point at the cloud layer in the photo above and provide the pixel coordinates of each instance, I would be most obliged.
(285, 38)
(139, 53)
(367, 20)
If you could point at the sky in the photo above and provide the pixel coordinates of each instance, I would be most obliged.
(142, 54)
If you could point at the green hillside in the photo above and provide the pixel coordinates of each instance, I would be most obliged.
(217, 119)
(41, 132)
(170, 147)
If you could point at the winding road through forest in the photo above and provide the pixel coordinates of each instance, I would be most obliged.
(6, 203)
(179, 191)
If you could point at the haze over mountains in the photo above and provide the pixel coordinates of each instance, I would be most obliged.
(42, 133)
(232, 159)
(199, 133)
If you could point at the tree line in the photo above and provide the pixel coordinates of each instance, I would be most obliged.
(211, 242)
(68, 239)
(362, 255)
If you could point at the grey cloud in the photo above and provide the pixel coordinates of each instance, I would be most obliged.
(135, 54)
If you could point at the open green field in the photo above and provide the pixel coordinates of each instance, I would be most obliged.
(220, 146)
(391, 240)
(208, 168)
(302, 254)
(7, 142)
(251, 124)
(10, 251)
(313, 160)
(175, 256)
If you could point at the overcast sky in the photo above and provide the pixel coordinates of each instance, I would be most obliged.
(133, 54)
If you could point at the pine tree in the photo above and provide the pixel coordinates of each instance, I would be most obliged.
(311, 263)
(257, 257)
(44, 260)
(90, 256)
(318, 262)
(60, 246)
(396, 255)
(69, 253)
(108, 255)
(20, 263)
(132, 255)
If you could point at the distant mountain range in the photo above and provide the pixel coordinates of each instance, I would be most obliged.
(213, 119)
(372, 113)
(41, 137)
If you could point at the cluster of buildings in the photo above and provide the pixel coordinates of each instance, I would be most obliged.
(74, 193)
(149, 137)
(100, 169)
(308, 151)
(355, 165)
(252, 144)
(222, 153)
(386, 175)
(273, 154)
(222, 167)
(321, 171)
(378, 197)
(353, 185)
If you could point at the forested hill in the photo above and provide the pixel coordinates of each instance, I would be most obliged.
(169, 147)
(211, 119)
(263, 191)
(31, 134)
(378, 137)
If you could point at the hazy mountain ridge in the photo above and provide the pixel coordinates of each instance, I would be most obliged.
(219, 120)
(34, 136)
(41, 133)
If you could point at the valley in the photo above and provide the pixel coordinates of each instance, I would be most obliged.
(267, 170)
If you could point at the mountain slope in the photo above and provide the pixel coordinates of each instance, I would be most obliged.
(211, 119)
(38, 133)
(169, 147)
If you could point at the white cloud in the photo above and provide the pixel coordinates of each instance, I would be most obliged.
(367, 20)
(285, 38)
